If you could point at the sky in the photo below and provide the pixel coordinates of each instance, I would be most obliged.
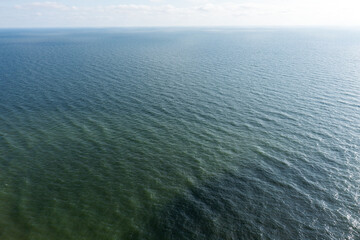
(143, 13)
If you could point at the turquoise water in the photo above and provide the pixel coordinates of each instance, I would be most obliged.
(180, 134)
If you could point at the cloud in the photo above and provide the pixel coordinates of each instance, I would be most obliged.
(198, 12)
(137, 8)
(203, 13)
(45, 5)
(165, 8)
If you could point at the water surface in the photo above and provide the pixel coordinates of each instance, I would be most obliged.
(179, 134)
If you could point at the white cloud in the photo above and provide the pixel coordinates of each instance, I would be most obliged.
(49, 5)
(203, 12)
(168, 8)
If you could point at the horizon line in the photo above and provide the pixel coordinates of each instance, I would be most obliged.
(194, 26)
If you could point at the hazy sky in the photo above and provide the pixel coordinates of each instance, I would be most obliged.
(92, 13)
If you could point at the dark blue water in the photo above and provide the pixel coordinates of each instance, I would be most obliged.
(180, 134)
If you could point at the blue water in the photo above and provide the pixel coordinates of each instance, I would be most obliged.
(180, 134)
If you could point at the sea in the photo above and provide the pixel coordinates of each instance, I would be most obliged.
(180, 133)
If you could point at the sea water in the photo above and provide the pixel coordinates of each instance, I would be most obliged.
(180, 133)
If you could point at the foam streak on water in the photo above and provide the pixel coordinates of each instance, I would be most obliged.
(179, 134)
